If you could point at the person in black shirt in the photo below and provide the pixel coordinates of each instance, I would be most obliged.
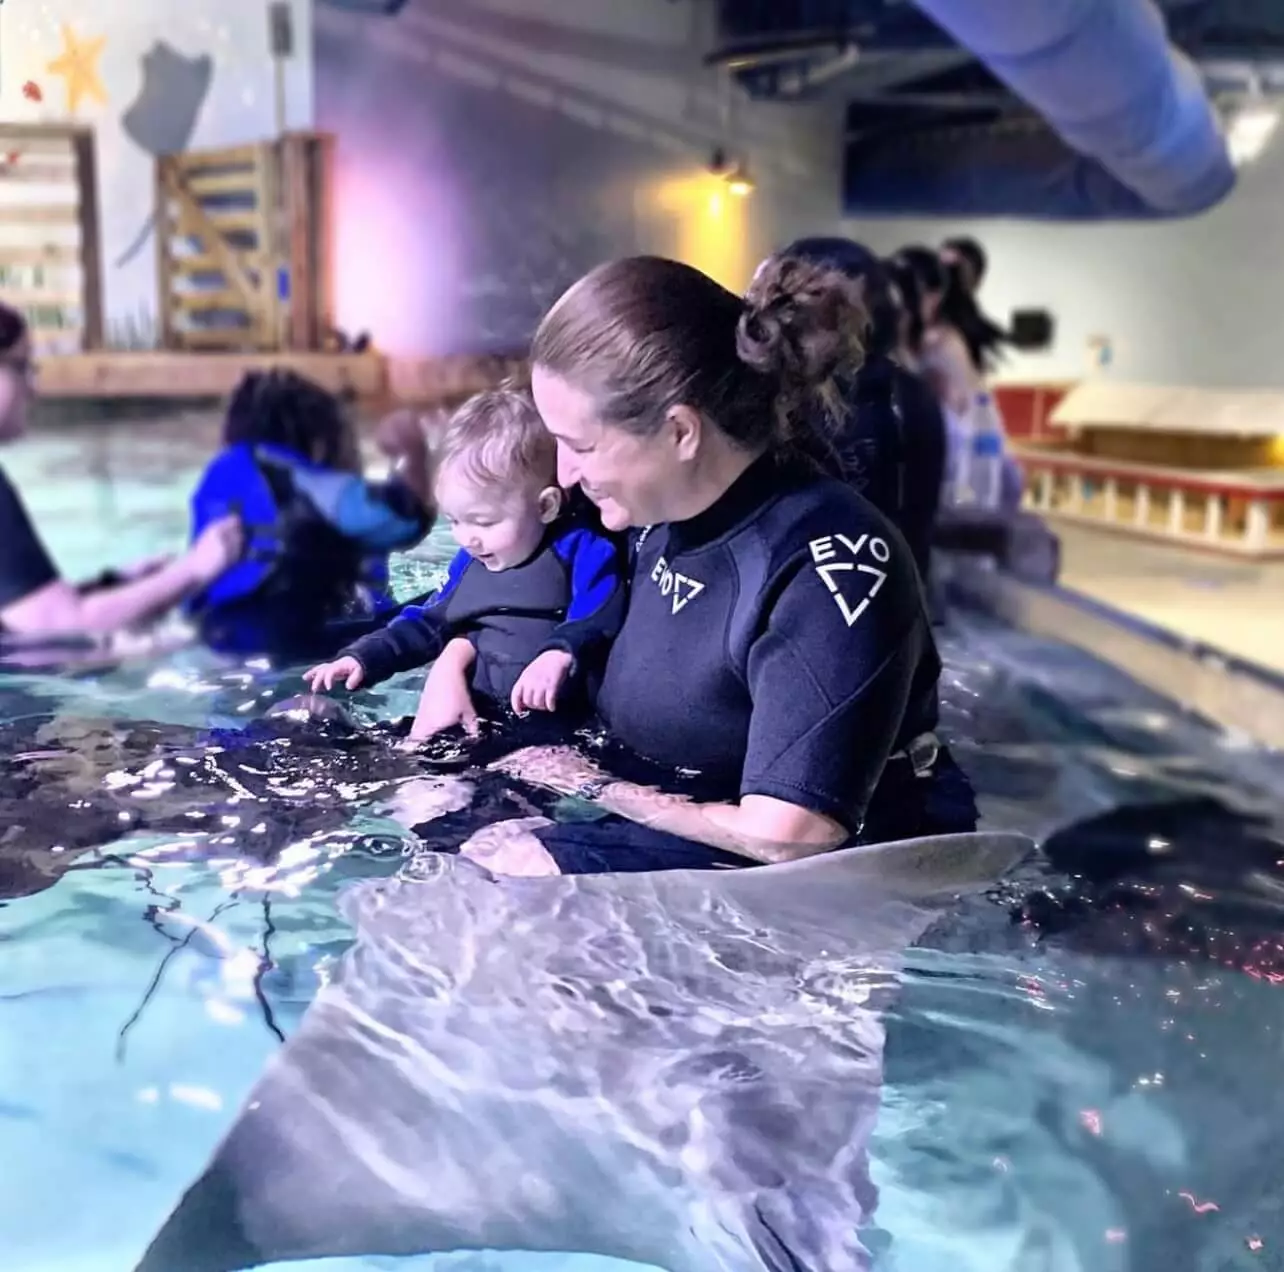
(775, 640)
(34, 599)
(890, 440)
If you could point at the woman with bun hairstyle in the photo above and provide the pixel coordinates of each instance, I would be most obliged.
(35, 601)
(890, 439)
(775, 647)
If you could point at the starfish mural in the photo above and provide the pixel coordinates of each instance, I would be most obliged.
(78, 65)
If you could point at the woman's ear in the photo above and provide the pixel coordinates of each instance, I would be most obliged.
(551, 499)
(685, 427)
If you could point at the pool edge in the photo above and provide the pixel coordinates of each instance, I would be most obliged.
(1229, 691)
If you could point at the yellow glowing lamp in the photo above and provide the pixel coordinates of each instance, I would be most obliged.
(735, 176)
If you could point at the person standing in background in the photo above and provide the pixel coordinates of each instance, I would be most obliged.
(890, 440)
(959, 348)
(973, 264)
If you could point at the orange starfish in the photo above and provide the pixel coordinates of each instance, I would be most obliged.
(78, 64)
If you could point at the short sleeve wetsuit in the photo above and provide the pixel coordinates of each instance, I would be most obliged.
(778, 644)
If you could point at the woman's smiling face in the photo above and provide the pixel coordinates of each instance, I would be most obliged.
(634, 479)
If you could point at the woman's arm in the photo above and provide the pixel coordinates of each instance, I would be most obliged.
(758, 827)
(446, 699)
(59, 609)
(947, 366)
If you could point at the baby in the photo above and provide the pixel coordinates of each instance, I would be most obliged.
(536, 593)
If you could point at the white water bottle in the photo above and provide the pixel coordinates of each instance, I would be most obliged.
(985, 469)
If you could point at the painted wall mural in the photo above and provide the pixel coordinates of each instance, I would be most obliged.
(77, 65)
(141, 78)
(488, 151)
(162, 118)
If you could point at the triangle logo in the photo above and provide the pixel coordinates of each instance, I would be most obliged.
(685, 590)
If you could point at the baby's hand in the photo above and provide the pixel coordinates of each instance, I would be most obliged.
(538, 686)
(348, 670)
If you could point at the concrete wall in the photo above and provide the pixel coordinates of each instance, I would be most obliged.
(152, 74)
(490, 151)
(1196, 302)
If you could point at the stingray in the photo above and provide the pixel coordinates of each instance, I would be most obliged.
(74, 783)
(680, 1069)
(1188, 878)
(71, 784)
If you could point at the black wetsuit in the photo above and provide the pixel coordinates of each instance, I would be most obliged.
(25, 564)
(566, 597)
(891, 446)
(778, 644)
(25, 568)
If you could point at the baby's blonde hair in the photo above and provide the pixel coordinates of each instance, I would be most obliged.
(497, 438)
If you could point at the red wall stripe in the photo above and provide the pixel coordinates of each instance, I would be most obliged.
(1027, 407)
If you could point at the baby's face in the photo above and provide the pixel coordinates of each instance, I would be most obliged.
(500, 528)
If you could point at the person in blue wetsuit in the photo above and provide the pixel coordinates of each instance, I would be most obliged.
(890, 440)
(775, 639)
(531, 601)
(318, 535)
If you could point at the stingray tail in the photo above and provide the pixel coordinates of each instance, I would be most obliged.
(137, 245)
(204, 1233)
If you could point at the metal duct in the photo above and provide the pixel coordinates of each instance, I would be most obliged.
(1107, 80)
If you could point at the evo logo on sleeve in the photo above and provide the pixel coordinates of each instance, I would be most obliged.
(851, 570)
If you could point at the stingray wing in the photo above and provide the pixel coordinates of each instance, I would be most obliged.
(681, 1069)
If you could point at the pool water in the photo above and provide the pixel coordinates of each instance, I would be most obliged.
(1078, 1075)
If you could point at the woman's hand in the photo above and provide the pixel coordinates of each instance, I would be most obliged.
(556, 768)
(511, 848)
(444, 703)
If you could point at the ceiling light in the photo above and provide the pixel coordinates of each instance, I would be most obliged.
(739, 182)
(1250, 132)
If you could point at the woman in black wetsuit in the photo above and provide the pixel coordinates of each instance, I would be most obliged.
(890, 440)
(775, 640)
(35, 601)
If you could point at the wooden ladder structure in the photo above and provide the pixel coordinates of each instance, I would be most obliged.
(243, 239)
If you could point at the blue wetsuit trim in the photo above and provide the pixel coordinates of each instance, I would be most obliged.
(598, 592)
(596, 572)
